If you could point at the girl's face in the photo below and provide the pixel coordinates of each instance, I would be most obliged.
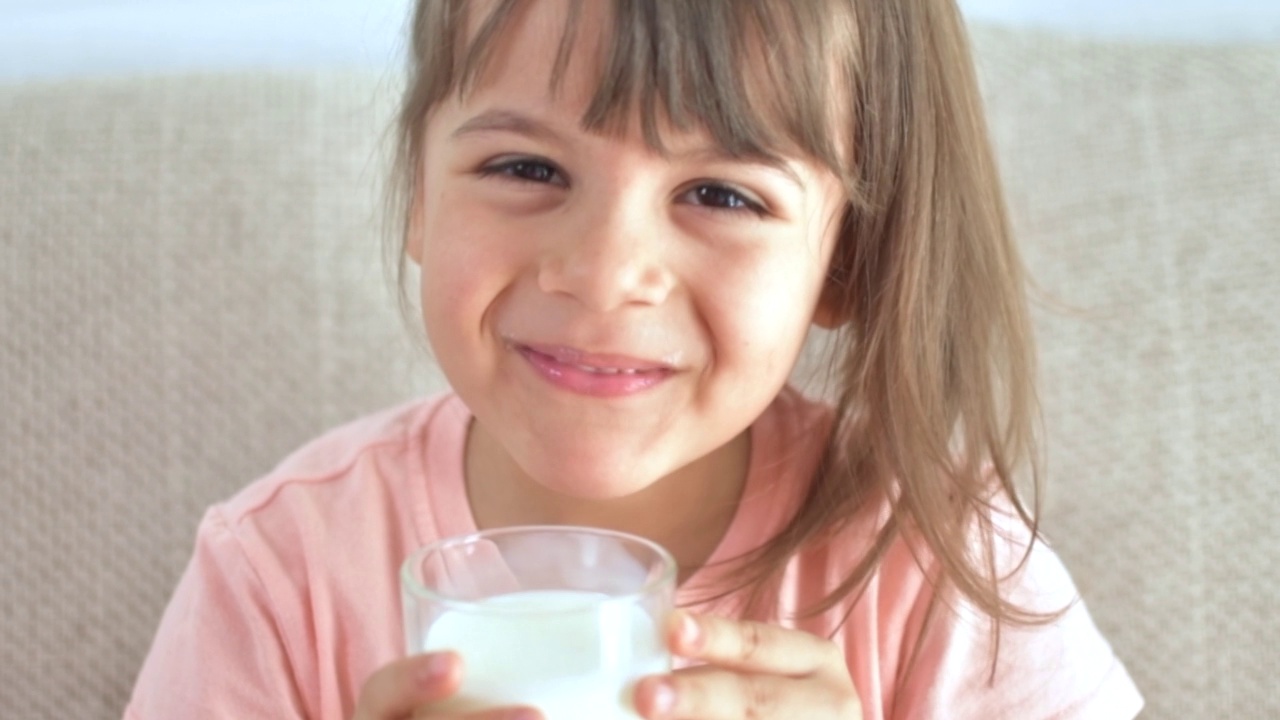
(609, 314)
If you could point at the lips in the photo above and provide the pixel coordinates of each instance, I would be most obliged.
(594, 374)
(597, 362)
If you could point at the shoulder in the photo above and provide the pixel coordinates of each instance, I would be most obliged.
(375, 453)
(348, 504)
(970, 666)
(304, 558)
(918, 654)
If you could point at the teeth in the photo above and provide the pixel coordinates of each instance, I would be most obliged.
(606, 371)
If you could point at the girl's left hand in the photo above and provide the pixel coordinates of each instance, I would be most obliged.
(752, 670)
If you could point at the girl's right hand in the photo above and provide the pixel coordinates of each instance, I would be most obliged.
(406, 689)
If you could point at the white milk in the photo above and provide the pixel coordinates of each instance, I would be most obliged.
(561, 651)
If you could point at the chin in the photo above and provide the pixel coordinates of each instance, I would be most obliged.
(591, 481)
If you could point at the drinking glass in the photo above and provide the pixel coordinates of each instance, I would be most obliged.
(565, 619)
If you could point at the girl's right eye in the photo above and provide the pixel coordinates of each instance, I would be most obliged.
(525, 169)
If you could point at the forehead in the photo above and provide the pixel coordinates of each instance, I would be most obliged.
(549, 51)
(708, 66)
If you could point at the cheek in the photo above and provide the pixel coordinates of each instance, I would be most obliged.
(459, 262)
(760, 311)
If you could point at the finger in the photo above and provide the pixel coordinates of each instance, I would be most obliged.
(716, 694)
(495, 714)
(397, 688)
(406, 689)
(750, 646)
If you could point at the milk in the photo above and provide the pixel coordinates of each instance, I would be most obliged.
(573, 655)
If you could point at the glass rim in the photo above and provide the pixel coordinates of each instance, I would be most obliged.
(410, 583)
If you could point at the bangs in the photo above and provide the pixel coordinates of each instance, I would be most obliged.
(761, 77)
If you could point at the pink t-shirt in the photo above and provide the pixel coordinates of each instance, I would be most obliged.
(292, 599)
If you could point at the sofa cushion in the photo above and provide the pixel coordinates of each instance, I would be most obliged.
(192, 287)
(1144, 183)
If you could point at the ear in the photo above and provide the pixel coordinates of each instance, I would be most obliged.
(829, 314)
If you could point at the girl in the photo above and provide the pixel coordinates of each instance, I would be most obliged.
(627, 217)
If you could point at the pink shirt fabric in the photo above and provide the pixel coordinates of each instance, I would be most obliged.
(291, 599)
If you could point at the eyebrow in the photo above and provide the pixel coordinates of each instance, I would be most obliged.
(507, 121)
(521, 124)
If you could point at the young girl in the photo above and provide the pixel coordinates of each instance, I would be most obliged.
(627, 216)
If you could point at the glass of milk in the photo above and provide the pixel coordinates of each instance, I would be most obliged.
(564, 619)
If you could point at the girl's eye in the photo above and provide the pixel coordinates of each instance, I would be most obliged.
(724, 197)
(525, 169)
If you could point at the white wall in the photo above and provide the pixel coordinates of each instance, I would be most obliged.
(46, 38)
(42, 38)
(1206, 20)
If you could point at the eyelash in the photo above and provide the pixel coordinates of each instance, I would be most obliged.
(739, 201)
(517, 169)
(533, 170)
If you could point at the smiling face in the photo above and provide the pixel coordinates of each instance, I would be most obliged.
(611, 314)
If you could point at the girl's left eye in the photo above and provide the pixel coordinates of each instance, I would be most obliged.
(724, 197)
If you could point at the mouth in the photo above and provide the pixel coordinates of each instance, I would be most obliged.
(603, 363)
(594, 374)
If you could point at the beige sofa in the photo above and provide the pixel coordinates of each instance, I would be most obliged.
(190, 286)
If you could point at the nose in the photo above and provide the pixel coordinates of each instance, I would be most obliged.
(612, 254)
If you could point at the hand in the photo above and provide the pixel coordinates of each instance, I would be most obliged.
(753, 670)
(406, 689)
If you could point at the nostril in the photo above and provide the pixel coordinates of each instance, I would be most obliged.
(604, 280)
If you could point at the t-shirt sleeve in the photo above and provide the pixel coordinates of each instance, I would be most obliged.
(219, 651)
(1063, 670)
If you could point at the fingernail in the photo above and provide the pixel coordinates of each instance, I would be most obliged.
(435, 669)
(690, 632)
(664, 697)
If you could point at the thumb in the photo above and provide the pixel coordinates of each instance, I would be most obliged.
(398, 688)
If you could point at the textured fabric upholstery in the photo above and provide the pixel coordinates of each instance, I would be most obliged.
(191, 285)
(1144, 183)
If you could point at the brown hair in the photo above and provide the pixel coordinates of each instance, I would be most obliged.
(935, 404)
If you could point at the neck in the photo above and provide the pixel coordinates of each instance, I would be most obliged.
(687, 512)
